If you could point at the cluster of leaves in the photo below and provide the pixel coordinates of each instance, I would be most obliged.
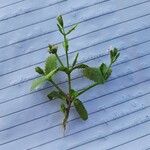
(53, 64)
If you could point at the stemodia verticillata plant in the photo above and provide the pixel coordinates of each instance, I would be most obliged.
(53, 65)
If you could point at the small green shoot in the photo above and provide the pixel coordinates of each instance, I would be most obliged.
(53, 65)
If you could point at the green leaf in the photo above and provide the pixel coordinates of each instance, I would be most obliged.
(106, 71)
(80, 109)
(75, 60)
(64, 69)
(50, 64)
(80, 66)
(72, 29)
(103, 68)
(116, 57)
(37, 82)
(55, 94)
(49, 76)
(93, 74)
(114, 54)
(39, 70)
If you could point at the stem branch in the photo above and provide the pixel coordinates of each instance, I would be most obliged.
(66, 115)
(69, 101)
(93, 85)
(57, 87)
(69, 82)
(69, 75)
(87, 88)
(59, 59)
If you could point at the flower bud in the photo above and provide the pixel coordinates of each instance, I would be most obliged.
(60, 21)
(52, 49)
(39, 70)
(114, 54)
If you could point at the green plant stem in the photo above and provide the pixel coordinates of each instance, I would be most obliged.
(69, 82)
(67, 114)
(57, 87)
(87, 88)
(69, 75)
(59, 59)
(110, 65)
(93, 85)
(68, 104)
(66, 49)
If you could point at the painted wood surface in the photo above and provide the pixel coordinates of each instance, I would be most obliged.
(119, 111)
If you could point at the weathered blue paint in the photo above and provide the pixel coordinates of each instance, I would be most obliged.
(119, 111)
